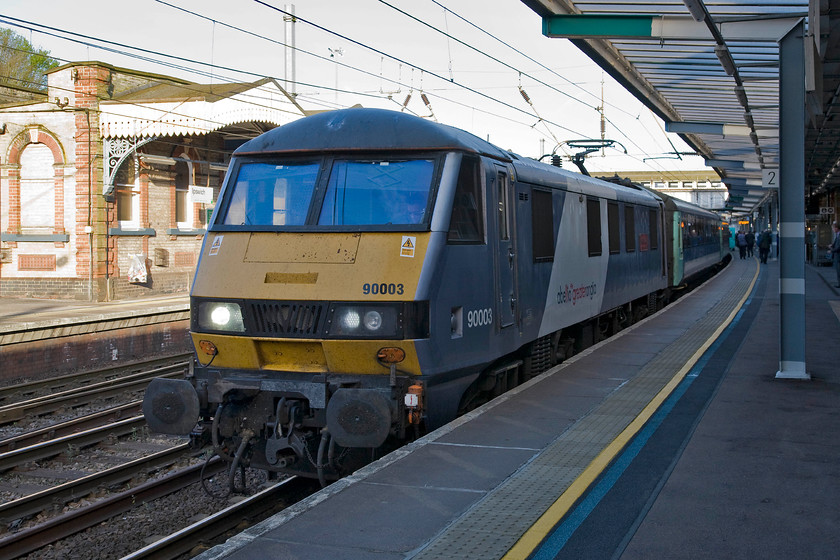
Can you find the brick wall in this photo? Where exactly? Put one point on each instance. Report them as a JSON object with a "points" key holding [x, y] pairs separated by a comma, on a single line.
{"points": [[59, 356], [52, 288]]}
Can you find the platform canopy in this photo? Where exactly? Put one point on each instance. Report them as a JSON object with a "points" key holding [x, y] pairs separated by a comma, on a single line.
{"points": [[710, 70]]}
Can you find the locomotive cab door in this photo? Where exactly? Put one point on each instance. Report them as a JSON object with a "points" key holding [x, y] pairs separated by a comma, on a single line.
{"points": [[506, 281]]}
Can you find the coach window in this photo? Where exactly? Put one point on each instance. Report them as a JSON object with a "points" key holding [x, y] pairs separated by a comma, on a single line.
{"points": [[654, 229], [593, 226], [542, 225], [629, 228], [466, 224], [613, 228]]}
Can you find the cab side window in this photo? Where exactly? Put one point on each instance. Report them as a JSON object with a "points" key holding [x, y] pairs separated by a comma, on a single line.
{"points": [[466, 224]]}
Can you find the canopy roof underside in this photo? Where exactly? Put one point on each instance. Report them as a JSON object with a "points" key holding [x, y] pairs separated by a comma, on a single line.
{"points": [[712, 74]]}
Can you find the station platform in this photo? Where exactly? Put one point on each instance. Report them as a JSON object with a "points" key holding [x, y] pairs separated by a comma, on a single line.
{"points": [[672, 439], [40, 338]]}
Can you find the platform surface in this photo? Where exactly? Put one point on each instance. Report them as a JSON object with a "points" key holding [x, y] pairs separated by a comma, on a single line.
{"points": [[671, 440]]}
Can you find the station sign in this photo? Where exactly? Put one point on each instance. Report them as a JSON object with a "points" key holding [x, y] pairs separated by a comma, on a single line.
{"points": [[201, 195], [826, 210], [770, 178]]}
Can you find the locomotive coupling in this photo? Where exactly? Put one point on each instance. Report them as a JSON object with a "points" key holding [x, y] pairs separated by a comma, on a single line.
{"points": [[171, 406]]}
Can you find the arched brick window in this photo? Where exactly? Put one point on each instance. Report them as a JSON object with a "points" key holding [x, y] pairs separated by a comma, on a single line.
{"points": [[37, 189], [35, 183]]}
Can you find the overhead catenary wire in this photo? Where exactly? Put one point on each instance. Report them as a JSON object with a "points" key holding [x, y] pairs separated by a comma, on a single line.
{"points": [[31, 26], [530, 58], [427, 71], [218, 68], [495, 59]]}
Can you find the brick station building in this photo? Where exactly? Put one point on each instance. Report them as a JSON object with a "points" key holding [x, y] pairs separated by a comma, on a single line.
{"points": [[115, 171]]}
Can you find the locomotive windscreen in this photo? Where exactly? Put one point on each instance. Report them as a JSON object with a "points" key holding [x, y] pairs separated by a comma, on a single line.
{"points": [[357, 192], [267, 194], [377, 192]]}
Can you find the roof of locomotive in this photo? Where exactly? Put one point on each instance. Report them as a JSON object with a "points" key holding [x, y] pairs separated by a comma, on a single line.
{"points": [[359, 129], [533, 171]]}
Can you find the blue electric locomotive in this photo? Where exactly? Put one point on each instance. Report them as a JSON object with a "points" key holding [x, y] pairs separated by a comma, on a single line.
{"points": [[369, 274]]}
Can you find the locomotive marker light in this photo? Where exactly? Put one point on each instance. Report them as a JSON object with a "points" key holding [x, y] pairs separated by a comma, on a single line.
{"points": [[208, 347], [390, 355]]}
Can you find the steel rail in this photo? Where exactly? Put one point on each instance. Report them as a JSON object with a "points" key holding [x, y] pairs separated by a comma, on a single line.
{"points": [[60, 527], [75, 490], [57, 446], [65, 382], [75, 425], [84, 395], [210, 528]]}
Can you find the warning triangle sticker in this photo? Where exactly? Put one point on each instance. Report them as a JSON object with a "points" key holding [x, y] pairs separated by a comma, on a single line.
{"points": [[408, 244]]}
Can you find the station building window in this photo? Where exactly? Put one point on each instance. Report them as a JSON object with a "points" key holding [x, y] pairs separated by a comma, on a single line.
{"points": [[184, 177], [37, 189], [127, 194]]}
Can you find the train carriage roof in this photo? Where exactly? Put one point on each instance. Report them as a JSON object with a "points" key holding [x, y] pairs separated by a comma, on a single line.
{"points": [[677, 204], [366, 130]]}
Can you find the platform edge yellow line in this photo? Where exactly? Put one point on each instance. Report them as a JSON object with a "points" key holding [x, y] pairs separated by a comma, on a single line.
{"points": [[532, 538]]}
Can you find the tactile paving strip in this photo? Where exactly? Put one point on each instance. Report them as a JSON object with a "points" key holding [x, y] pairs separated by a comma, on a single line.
{"points": [[497, 522]]}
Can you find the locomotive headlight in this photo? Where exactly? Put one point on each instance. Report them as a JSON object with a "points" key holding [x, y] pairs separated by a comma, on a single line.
{"points": [[220, 316], [373, 320], [391, 320], [349, 320], [365, 320]]}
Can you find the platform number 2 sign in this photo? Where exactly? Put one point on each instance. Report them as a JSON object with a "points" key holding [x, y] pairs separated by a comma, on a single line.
{"points": [[770, 177]]}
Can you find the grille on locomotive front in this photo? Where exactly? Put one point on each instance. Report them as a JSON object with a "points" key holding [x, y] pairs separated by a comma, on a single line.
{"points": [[285, 318]]}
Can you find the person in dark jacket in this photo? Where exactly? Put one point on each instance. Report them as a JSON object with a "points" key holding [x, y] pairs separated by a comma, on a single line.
{"points": [[741, 242], [750, 237], [835, 252], [764, 242]]}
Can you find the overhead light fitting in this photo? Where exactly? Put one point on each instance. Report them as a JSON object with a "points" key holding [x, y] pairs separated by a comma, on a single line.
{"points": [[726, 60], [696, 9], [741, 94], [748, 118]]}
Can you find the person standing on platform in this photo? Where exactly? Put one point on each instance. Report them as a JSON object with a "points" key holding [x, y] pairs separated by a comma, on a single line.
{"points": [[750, 237], [741, 242], [835, 252], [765, 240]]}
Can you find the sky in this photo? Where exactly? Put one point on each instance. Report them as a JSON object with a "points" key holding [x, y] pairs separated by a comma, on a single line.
{"points": [[473, 65]]}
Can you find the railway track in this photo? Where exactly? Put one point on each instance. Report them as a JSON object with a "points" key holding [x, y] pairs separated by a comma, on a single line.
{"points": [[55, 511], [75, 425], [62, 526], [202, 534], [29, 389], [57, 446], [79, 396], [57, 496]]}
